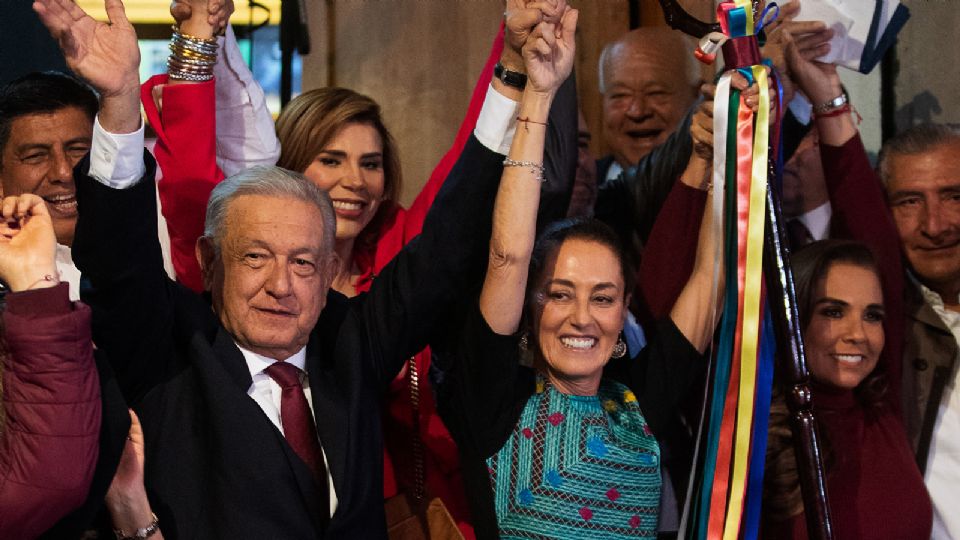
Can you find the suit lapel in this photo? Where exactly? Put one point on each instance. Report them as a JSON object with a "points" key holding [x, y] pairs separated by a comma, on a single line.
{"points": [[230, 357], [330, 411], [233, 363]]}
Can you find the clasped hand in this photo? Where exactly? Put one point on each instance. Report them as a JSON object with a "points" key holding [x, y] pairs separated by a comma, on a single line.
{"points": [[27, 243]]}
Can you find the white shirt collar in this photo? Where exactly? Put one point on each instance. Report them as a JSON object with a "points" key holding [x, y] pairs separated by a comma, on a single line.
{"points": [[929, 295], [256, 363], [614, 171], [817, 221], [68, 271]]}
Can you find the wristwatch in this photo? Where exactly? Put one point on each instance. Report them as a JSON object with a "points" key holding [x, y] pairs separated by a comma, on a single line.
{"points": [[833, 104], [510, 78]]}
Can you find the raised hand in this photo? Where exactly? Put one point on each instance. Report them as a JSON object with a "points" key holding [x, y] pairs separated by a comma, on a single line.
{"points": [[781, 31], [188, 14], [820, 82], [520, 18], [104, 54], [548, 53], [701, 125], [27, 243]]}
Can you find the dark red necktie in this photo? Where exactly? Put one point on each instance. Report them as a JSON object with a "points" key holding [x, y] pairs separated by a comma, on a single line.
{"points": [[299, 427]]}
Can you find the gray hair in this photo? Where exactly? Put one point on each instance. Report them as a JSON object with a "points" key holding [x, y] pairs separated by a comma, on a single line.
{"points": [[650, 36], [916, 140], [271, 182]]}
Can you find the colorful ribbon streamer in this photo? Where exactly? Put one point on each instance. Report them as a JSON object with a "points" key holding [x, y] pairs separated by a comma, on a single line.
{"points": [[730, 455]]}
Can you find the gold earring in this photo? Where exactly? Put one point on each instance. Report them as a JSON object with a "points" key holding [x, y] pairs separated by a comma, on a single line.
{"points": [[620, 349]]}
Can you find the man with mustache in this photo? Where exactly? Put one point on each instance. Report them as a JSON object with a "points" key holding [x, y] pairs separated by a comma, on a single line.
{"points": [[920, 169]]}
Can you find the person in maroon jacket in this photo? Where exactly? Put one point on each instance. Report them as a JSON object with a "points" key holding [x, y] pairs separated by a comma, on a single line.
{"points": [[50, 423]]}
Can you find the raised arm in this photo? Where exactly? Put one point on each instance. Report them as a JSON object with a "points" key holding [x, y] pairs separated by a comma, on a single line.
{"points": [[116, 245], [408, 301], [50, 422], [548, 57], [695, 311], [561, 139], [182, 112], [245, 135], [858, 203]]}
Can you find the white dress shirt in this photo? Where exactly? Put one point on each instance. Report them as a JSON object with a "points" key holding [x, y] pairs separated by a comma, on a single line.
{"points": [[267, 393], [613, 172], [943, 462], [817, 221], [497, 122], [69, 273]]}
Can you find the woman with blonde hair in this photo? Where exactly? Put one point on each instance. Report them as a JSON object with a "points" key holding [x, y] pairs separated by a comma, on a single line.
{"points": [[337, 138]]}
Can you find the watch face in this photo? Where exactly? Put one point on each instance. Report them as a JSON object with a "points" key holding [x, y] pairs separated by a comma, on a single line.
{"points": [[510, 78]]}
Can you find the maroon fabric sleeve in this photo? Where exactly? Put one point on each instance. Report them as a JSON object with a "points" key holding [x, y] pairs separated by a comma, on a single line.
{"points": [[668, 257], [860, 213], [51, 401]]}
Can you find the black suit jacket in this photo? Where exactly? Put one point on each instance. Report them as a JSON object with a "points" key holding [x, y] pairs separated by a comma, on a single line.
{"points": [[216, 467]]}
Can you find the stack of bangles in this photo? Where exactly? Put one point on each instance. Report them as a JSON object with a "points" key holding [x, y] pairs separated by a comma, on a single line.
{"points": [[191, 58]]}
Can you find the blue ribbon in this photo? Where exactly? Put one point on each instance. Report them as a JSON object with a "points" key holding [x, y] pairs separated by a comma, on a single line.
{"points": [[727, 335], [758, 447], [763, 20], [737, 21]]}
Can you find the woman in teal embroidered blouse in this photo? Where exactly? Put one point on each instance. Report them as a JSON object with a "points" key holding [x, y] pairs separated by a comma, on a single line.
{"points": [[566, 448]]}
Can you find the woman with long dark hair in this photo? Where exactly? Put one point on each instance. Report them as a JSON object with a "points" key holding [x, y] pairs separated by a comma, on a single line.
{"points": [[850, 297]]}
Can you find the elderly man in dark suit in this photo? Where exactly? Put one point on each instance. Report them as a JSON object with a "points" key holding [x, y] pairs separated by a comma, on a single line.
{"points": [[224, 458]]}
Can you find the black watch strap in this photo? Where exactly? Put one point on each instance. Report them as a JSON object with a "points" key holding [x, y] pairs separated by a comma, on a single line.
{"points": [[510, 78]]}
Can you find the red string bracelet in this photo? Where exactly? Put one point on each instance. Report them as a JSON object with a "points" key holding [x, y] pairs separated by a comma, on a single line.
{"points": [[844, 109], [529, 121]]}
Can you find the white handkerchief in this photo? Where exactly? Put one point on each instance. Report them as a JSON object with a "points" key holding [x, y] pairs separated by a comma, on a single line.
{"points": [[832, 13], [863, 29]]}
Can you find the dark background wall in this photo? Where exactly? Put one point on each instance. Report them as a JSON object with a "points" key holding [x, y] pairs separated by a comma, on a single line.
{"points": [[25, 45]]}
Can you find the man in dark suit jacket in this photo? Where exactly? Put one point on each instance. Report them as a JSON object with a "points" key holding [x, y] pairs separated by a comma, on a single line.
{"points": [[216, 465]]}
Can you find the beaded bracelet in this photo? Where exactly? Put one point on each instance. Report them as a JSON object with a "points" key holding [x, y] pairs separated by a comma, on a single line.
{"points": [[536, 168], [141, 533], [47, 278]]}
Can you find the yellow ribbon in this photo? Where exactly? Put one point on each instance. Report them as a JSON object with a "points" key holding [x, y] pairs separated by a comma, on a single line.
{"points": [[751, 306]]}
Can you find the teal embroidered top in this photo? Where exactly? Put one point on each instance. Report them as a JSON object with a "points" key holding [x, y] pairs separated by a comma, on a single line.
{"points": [[578, 467]]}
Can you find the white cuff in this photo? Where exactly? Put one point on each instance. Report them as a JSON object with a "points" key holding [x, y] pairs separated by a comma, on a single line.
{"points": [[801, 108], [116, 160], [497, 122]]}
